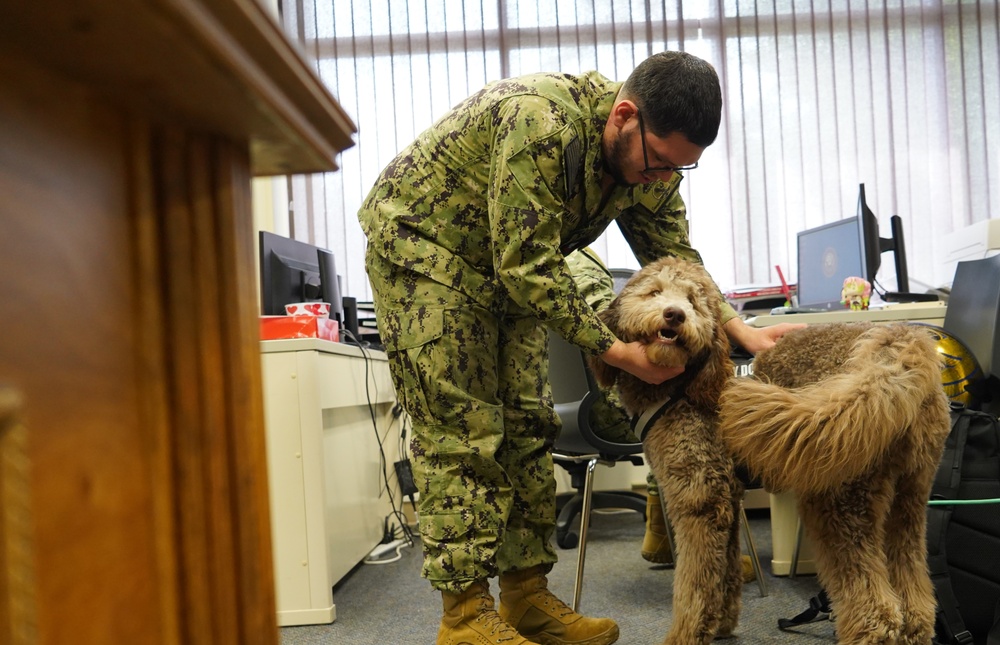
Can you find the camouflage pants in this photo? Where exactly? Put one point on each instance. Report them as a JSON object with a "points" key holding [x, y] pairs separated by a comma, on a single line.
{"points": [[474, 381]]}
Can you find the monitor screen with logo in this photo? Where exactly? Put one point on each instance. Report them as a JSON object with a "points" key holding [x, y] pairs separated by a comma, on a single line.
{"points": [[826, 255]]}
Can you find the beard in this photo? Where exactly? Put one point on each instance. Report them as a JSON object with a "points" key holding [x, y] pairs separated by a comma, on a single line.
{"points": [[614, 156]]}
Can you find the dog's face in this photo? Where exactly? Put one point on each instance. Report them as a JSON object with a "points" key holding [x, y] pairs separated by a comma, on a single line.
{"points": [[674, 308]]}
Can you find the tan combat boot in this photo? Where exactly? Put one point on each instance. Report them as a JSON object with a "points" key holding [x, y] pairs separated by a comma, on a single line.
{"points": [[656, 542], [471, 619], [528, 605], [749, 575]]}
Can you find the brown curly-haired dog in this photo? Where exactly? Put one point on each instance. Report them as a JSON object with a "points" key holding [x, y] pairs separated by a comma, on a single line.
{"points": [[675, 307], [853, 419]]}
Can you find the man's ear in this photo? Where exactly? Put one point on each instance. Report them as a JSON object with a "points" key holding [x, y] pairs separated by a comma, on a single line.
{"points": [[621, 113]]}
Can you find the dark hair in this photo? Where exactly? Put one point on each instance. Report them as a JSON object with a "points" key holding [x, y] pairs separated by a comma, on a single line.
{"points": [[677, 92]]}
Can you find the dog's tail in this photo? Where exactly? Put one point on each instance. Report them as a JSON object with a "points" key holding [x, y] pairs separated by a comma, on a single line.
{"points": [[822, 435]]}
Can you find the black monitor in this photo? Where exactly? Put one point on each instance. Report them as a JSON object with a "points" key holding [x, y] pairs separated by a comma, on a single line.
{"points": [[973, 313], [874, 246], [293, 271], [827, 255]]}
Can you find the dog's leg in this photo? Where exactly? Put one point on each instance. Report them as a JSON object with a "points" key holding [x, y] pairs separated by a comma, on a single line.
{"points": [[848, 528], [699, 509], [906, 550], [732, 596], [906, 553]]}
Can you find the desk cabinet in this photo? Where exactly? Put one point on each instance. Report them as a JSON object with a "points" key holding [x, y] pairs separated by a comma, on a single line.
{"points": [[322, 401]]}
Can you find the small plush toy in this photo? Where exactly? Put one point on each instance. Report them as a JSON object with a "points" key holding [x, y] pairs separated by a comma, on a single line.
{"points": [[856, 293]]}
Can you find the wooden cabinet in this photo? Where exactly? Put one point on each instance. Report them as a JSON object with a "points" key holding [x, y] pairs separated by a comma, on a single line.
{"points": [[129, 132]]}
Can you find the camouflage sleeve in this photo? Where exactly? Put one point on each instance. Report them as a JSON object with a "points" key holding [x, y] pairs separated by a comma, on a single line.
{"points": [[526, 206], [592, 278], [658, 226]]}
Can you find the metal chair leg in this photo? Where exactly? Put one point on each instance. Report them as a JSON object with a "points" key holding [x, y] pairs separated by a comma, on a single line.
{"points": [[588, 494], [670, 537], [794, 565], [752, 548]]}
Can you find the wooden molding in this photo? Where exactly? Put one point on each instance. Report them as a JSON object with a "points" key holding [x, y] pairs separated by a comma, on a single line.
{"points": [[221, 66], [17, 582]]}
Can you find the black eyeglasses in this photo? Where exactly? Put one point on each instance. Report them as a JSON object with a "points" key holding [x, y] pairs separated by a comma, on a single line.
{"points": [[645, 156]]}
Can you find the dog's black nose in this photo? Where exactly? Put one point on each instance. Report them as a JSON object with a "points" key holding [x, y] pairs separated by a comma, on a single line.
{"points": [[674, 316]]}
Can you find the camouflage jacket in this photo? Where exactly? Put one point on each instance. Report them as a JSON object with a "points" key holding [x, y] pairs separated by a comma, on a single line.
{"points": [[490, 199]]}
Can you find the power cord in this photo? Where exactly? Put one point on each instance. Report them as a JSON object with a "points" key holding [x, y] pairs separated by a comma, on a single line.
{"points": [[396, 508], [404, 470], [394, 538]]}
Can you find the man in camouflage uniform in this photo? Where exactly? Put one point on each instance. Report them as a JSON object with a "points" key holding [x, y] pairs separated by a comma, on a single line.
{"points": [[467, 232]]}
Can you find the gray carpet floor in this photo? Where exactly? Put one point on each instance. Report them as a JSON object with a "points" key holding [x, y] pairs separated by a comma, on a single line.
{"points": [[390, 604]]}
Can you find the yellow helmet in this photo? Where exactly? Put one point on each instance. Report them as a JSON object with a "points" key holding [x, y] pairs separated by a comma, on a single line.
{"points": [[959, 367]]}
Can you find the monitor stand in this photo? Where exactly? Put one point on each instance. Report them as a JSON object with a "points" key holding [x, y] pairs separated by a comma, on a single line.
{"points": [[901, 296]]}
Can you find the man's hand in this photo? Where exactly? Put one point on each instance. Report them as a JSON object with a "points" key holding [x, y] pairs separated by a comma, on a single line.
{"points": [[757, 339], [632, 358]]}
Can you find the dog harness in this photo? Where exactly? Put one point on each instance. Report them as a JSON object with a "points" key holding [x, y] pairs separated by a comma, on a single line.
{"points": [[641, 423]]}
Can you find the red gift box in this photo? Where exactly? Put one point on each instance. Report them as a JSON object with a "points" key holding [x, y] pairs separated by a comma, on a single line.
{"points": [[280, 327]]}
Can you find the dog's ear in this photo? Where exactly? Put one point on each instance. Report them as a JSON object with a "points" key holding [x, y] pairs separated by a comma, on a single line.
{"points": [[706, 387]]}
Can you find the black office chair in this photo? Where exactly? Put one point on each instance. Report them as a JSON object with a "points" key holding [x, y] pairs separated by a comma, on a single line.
{"points": [[571, 387], [621, 276], [579, 449]]}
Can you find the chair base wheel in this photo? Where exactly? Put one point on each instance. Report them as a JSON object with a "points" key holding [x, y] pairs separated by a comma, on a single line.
{"points": [[567, 540]]}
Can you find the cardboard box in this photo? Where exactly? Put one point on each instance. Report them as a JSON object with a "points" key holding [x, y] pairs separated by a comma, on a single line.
{"points": [[280, 327]]}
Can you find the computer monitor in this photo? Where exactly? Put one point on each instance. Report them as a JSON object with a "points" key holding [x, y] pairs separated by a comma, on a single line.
{"points": [[293, 271], [826, 256], [973, 313], [874, 246]]}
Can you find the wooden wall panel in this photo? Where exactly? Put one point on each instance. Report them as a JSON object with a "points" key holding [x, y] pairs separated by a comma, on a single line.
{"points": [[127, 251], [67, 342], [130, 130]]}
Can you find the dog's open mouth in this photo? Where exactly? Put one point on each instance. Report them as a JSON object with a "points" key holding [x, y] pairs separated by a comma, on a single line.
{"points": [[668, 336]]}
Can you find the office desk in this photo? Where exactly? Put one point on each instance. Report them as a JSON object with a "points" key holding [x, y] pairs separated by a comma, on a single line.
{"points": [[324, 468], [926, 312], [784, 516]]}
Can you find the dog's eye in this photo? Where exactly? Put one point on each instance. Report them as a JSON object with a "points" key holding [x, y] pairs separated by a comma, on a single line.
{"points": [[654, 293]]}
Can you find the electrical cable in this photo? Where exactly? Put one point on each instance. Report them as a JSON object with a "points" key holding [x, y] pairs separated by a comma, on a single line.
{"points": [[398, 548], [879, 289], [962, 502], [383, 462]]}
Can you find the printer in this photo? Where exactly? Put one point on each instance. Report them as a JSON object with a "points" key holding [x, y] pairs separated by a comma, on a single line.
{"points": [[975, 242]]}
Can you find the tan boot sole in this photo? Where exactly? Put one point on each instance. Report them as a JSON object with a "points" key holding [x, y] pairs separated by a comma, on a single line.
{"points": [[660, 553], [603, 639]]}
